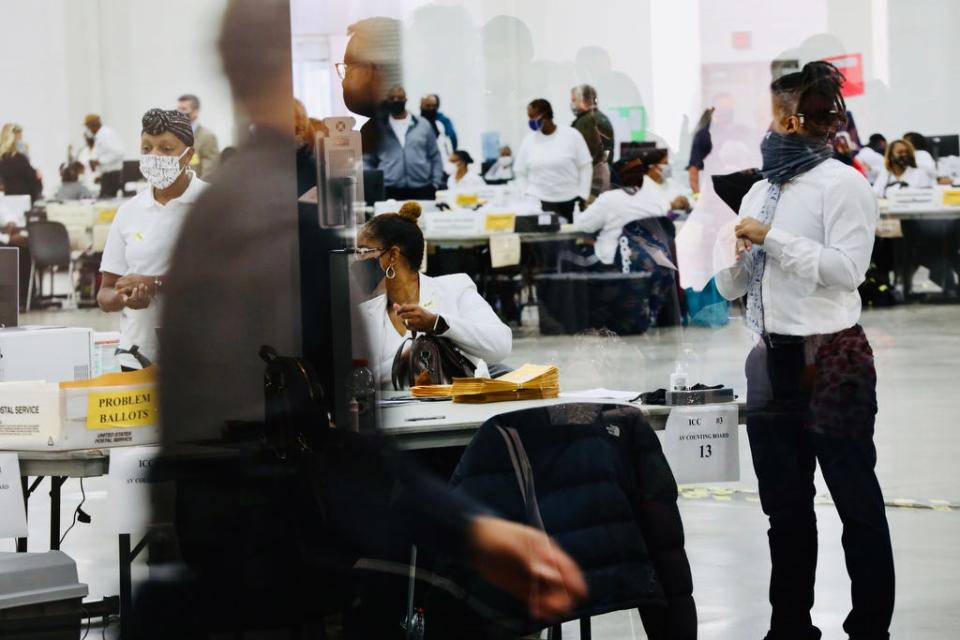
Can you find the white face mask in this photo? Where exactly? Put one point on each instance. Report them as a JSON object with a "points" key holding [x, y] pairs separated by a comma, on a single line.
{"points": [[161, 171]]}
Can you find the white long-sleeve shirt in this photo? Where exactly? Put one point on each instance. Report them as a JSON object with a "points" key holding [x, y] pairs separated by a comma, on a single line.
{"points": [[913, 177], [612, 210], [818, 250], [926, 163], [474, 326], [108, 150], [873, 161], [556, 167]]}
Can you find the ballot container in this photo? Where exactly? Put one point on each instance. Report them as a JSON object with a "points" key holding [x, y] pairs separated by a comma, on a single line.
{"points": [[571, 303], [40, 596]]}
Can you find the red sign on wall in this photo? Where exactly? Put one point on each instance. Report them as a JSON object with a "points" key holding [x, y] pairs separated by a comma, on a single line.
{"points": [[851, 66]]}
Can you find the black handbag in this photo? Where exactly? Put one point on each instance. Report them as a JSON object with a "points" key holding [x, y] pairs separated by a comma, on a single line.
{"points": [[296, 419], [424, 359]]}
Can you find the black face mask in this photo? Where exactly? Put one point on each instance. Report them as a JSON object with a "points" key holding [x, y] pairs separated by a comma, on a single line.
{"points": [[903, 161], [396, 107], [429, 114], [366, 274]]}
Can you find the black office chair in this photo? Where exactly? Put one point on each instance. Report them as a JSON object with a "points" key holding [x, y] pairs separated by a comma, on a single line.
{"points": [[37, 214], [49, 245]]}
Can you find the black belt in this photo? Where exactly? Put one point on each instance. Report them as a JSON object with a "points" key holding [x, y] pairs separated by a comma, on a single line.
{"points": [[774, 340]]}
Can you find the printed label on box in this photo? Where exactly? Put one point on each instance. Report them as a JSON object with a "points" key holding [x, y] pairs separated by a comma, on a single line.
{"points": [[501, 222], [113, 409]]}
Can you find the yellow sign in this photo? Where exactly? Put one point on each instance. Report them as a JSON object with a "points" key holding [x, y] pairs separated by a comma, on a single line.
{"points": [[501, 222], [130, 408], [465, 200], [951, 198], [106, 216]]}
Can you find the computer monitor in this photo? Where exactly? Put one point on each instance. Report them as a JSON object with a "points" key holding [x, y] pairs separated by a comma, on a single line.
{"points": [[943, 146], [630, 150], [9, 286]]}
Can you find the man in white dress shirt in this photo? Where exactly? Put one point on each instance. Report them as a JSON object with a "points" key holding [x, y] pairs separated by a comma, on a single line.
{"points": [[107, 156], [803, 246]]}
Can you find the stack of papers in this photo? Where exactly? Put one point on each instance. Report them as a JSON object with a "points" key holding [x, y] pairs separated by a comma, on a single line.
{"points": [[529, 382], [432, 391]]}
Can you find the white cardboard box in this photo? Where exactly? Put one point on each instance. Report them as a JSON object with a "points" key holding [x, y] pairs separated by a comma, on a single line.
{"points": [[30, 416], [51, 354], [42, 416]]}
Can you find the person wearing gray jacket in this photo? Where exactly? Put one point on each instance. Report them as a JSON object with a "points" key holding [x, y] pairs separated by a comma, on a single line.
{"points": [[406, 151]]}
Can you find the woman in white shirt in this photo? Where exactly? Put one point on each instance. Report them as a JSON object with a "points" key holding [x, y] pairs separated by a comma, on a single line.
{"points": [[900, 170], [804, 241], [390, 248], [144, 232], [615, 208], [554, 162], [924, 159], [462, 179]]}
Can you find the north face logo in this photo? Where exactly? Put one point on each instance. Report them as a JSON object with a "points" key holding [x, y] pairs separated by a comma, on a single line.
{"points": [[613, 430]]}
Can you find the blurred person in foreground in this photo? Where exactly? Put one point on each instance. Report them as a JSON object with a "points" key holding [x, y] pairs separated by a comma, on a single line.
{"points": [[270, 544]]}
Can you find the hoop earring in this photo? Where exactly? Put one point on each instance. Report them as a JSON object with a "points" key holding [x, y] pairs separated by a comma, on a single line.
{"points": [[390, 272]]}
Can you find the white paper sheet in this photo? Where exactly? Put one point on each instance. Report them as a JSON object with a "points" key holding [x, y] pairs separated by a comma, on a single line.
{"points": [[600, 394], [504, 250]]}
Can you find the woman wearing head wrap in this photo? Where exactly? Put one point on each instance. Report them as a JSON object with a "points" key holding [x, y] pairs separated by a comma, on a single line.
{"points": [[144, 232]]}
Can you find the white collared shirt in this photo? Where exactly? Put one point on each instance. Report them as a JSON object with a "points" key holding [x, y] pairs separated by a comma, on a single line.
{"points": [[912, 177], [612, 210], [469, 181], [818, 250], [108, 150], [473, 326], [141, 240]]}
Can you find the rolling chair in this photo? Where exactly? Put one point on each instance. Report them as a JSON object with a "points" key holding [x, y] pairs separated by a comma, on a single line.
{"points": [[49, 245]]}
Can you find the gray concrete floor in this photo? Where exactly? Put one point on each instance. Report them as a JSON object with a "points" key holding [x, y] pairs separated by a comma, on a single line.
{"points": [[918, 352]]}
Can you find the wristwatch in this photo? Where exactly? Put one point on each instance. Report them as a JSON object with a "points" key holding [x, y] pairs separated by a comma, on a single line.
{"points": [[440, 326]]}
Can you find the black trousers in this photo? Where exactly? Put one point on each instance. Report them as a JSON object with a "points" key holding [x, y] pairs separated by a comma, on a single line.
{"points": [[411, 193], [111, 182], [562, 209], [785, 454]]}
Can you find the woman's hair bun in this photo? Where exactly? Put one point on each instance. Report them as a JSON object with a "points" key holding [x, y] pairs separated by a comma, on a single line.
{"points": [[410, 211]]}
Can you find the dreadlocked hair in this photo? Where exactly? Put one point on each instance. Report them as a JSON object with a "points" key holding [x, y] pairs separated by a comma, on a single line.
{"points": [[815, 93]]}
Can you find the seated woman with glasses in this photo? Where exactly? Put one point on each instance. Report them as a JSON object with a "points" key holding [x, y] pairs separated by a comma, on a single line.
{"points": [[390, 249]]}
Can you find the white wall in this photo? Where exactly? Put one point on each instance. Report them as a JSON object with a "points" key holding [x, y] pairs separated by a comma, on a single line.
{"points": [[62, 59], [652, 51]]}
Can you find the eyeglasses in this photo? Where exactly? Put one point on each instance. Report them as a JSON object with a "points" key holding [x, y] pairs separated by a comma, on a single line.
{"points": [[363, 253], [344, 68]]}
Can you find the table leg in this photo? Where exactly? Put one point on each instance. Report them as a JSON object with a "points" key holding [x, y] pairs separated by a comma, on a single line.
{"points": [[55, 483], [901, 259], [126, 586], [22, 542]]}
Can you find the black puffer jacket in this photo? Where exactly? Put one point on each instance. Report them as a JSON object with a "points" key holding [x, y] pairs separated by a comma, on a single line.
{"points": [[606, 494]]}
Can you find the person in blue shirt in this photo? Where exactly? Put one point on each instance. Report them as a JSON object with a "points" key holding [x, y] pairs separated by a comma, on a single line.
{"points": [[430, 109], [406, 151]]}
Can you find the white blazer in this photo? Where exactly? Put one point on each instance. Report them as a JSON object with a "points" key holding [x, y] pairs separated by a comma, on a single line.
{"points": [[474, 327]]}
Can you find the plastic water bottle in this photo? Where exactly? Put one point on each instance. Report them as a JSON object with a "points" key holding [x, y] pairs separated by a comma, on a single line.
{"points": [[362, 390], [680, 378]]}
